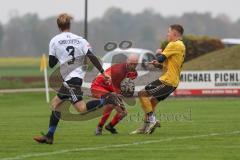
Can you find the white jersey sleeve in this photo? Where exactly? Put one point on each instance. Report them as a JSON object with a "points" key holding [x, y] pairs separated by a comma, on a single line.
{"points": [[52, 49], [85, 46]]}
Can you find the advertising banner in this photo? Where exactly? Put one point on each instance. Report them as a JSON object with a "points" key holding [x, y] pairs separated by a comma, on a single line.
{"points": [[204, 83]]}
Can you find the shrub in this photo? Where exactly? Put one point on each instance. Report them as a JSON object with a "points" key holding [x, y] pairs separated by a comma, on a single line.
{"points": [[198, 45]]}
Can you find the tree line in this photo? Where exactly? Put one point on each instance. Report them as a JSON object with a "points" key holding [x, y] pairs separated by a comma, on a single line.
{"points": [[28, 35]]}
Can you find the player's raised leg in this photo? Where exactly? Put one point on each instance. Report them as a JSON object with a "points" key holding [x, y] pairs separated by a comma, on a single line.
{"points": [[53, 122]]}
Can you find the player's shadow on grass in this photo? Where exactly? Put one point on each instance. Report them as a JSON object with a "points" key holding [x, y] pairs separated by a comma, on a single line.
{"points": [[67, 115]]}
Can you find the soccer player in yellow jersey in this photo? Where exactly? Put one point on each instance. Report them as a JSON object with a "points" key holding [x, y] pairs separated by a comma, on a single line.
{"points": [[171, 60]]}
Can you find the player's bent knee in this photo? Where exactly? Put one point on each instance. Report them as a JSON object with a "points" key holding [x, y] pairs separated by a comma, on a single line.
{"points": [[56, 102], [80, 106], [123, 115], [142, 93], [112, 99]]}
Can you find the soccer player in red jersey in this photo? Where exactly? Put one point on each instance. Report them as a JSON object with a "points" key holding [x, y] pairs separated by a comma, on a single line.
{"points": [[99, 87]]}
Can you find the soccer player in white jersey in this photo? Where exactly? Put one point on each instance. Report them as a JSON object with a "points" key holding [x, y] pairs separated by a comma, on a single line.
{"points": [[69, 51]]}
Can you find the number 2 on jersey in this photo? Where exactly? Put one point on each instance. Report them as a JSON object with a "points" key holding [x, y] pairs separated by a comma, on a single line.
{"points": [[71, 50]]}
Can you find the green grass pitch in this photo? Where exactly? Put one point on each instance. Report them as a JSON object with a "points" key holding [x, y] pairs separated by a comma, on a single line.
{"points": [[199, 129]]}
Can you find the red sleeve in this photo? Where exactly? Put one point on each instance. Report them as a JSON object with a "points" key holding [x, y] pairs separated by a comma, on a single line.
{"points": [[118, 74], [116, 90], [132, 75]]}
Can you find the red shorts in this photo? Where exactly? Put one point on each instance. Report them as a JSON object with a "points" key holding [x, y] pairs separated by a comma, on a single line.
{"points": [[98, 91]]}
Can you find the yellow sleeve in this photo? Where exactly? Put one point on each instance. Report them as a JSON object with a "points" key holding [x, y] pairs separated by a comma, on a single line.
{"points": [[170, 50]]}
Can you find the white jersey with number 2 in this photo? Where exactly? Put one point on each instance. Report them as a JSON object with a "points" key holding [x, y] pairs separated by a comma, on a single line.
{"points": [[70, 50]]}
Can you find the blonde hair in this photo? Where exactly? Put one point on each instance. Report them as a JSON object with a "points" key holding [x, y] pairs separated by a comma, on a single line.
{"points": [[64, 21]]}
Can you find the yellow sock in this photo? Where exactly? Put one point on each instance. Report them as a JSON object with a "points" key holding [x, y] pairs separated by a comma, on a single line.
{"points": [[146, 103], [154, 102]]}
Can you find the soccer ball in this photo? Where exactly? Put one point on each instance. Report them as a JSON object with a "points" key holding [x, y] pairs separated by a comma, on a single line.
{"points": [[127, 87]]}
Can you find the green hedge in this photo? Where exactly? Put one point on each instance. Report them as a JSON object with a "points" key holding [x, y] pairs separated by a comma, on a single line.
{"points": [[198, 45]]}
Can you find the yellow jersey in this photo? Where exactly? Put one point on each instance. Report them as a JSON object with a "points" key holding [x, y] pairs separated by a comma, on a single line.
{"points": [[172, 66]]}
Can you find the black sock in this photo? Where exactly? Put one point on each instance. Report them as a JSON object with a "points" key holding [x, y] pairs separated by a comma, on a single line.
{"points": [[54, 119], [110, 125], [94, 104]]}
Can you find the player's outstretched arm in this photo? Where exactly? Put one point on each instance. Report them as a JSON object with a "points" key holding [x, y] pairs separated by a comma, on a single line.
{"points": [[52, 61], [97, 64], [95, 61]]}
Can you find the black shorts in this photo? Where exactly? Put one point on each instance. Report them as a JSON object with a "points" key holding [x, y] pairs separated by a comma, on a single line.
{"points": [[159, 90], [71, 90]]}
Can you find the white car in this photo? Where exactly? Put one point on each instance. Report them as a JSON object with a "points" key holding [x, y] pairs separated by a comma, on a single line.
{"points": [[120, 56]]}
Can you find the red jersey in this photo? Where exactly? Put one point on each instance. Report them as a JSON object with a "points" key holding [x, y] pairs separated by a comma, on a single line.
{"points": [[117, 73]]}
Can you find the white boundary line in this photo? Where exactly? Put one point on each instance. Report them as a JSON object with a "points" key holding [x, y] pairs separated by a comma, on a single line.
{"points": [[23, 90], [117, 145]]}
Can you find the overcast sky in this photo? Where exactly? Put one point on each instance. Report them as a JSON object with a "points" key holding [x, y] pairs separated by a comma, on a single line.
{"points": [[46, 8]]}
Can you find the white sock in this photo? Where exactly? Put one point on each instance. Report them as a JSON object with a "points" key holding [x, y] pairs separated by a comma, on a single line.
{"points": [[152, 118]]}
